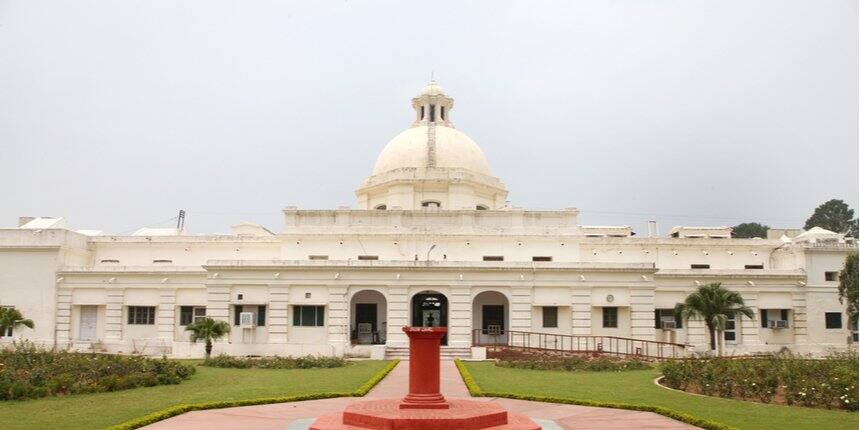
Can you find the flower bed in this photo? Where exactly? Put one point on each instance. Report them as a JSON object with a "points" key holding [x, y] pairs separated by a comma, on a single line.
{"points": [[307, 362], [577, 363], [30, 372], [829, 383]]}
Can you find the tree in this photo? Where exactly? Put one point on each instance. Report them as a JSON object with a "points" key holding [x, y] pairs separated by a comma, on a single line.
{"points": [[750, 229], [207, 329], [834, 215], [11, 318], [714, 304], [848, 285]]}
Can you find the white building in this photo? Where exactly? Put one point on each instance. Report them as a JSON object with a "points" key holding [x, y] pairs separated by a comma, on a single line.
{"points": [[432, 241]]}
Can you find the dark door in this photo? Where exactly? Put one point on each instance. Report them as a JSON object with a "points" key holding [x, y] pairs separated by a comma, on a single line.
{"points": [[365, 313], [493, 316], [430, 310]]}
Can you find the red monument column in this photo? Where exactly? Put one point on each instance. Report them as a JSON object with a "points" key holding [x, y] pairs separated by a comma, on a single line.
{"points": [[424, 390]]}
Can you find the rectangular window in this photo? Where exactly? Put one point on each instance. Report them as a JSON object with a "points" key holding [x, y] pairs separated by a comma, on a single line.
{"points": [[317, 257], [783, 314], [700, 266], [190, 314], [610, 317], [261, 315], [666, 315], [162, 261], [730, 334], [833, 320], [831, 276], [754, 266], [493, 319], [541, 258], [308, 316], [550, 316], [141, 315], [494, 258], [368, 257]]}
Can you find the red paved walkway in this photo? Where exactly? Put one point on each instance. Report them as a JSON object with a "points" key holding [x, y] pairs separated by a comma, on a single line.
{"points": [[278, 416]]}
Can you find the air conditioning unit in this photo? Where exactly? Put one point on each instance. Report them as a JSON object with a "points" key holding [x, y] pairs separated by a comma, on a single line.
{"points": [[668, 325], [246, 319], [777, 324]]}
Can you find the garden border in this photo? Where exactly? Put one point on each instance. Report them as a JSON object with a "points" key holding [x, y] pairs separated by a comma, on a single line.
{"points": [[180, 409], [476, 391]]}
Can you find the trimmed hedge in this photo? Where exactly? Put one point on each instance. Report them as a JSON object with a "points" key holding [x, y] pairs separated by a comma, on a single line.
{"points": [[306, 362], [28, 372], [183, 408], [476, 391], [578, 363]]}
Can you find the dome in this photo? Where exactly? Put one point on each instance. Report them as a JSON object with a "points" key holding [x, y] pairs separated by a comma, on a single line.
{"points": [[453, 149], [432, 89]]}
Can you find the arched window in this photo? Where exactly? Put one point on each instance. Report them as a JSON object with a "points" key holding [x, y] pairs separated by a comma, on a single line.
{"points": [[431, 204], [381, 207], [481, 208]]}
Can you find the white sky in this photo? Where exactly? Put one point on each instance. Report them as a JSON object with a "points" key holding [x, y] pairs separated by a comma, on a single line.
{"points": [[116, 114]]}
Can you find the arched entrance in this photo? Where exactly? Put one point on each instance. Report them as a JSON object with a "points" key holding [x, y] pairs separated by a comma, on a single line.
{"points": [[490, 315], [368, 313], [430, 309]]}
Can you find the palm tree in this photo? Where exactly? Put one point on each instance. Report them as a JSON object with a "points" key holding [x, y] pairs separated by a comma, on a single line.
{"points": [[715, 305], [12, 318], [207, 329]]}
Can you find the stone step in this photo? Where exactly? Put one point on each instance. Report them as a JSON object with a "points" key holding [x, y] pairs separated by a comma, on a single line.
{"points": [[446, 353]]}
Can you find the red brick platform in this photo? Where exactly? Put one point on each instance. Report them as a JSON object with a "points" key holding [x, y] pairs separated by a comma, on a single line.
{"points": [[461, 415]]}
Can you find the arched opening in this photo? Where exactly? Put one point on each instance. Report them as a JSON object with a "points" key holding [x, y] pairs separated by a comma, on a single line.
{"points": [[430, 309], [490, 315], [368, 313], [381, 207], [481, 208], [431, 204]]}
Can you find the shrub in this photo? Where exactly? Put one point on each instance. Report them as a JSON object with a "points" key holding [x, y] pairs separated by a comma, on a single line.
{"points": [[580, 363], [306, 362], [829, 383], [30, 372]]}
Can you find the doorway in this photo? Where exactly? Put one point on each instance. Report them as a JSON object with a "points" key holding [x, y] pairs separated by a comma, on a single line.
{"points": [[88, 323], [430, 309]]}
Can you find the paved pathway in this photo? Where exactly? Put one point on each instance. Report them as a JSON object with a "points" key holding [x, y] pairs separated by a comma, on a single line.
{"points": [[277, 416]]}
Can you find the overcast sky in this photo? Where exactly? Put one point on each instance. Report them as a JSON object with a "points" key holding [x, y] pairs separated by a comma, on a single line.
{"points": [[116, 114]]}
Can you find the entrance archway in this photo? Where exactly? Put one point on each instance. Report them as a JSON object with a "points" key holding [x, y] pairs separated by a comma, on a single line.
{"points": [[430, 309], [368, 316], [490, 316]]}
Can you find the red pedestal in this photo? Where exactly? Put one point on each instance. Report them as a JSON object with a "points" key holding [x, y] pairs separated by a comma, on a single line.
{"points": [[424, 408], [424, 343]]}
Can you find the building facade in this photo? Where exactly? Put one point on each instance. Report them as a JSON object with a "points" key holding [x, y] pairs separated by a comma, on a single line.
{"points": [[432, 241]]}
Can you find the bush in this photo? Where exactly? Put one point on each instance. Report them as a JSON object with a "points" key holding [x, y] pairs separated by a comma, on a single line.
{"points": [[307, 362], [30, 372], [580, 363], [829, 383]]}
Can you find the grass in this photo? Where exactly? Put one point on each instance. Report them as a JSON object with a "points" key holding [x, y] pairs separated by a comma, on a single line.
{"points": [[94, 411], [637, 387]]}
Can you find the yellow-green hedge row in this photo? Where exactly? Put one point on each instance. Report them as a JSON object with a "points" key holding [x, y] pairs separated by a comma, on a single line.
{"points": [[476, 391], [183, 408]]}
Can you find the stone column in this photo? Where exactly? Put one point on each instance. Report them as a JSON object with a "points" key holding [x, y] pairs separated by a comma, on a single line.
{"points": [[460, 317], [279, 302], [113, 314], [64, 316], [338, 318], [580, 310], [521, 309], [166, 315], [398, 316]]}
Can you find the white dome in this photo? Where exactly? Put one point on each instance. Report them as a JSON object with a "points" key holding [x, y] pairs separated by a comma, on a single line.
{"points": [[431, 89], [410, 149]]}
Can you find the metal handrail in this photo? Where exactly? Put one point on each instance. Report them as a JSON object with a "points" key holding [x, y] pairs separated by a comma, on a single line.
{"points": [[576, 344]]}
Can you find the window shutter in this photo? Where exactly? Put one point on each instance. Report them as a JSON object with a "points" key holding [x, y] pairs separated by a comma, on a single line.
{"points": [[763, 318], [237, 319], [297, 315], [320, 316], [657, 318], [261, 315], [783, 314]]}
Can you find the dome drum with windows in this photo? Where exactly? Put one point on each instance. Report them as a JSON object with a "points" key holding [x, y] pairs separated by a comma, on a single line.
{"points": [[432, 165]]}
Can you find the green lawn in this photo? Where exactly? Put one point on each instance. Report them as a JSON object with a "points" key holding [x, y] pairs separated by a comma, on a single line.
{"points": [[94, 411], [636, 387]]}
